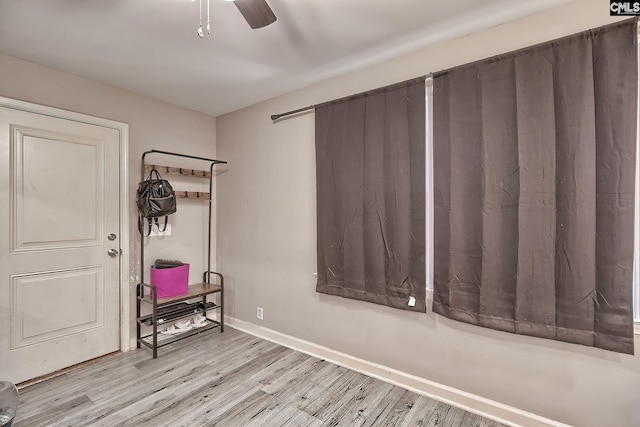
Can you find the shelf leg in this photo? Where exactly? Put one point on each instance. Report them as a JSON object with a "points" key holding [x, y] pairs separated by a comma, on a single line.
{"points": [[155, 324], [221, 303], [138, 326]]}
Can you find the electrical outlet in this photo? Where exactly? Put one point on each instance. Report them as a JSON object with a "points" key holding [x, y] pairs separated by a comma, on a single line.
{"points": [[259, 313], [156, 232]]}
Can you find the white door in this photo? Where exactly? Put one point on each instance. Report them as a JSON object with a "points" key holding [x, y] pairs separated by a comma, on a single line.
{"points": [[59, 202]]}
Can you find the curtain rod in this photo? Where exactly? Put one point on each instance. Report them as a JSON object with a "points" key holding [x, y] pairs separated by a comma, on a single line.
{"points": [[633, 20], [275, 117], [288, 113]]}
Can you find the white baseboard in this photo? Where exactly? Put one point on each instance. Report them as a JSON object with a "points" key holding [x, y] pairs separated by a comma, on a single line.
{"points": [[469, 402]]}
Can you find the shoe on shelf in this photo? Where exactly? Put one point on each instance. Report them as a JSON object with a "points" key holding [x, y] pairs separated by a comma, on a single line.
{"points": [[184, 324], [171, 330], [199, 321], [178, 327]]}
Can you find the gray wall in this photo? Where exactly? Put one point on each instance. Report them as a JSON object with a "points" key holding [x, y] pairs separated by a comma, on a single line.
{"points": [[152, 124], [267, 249]]}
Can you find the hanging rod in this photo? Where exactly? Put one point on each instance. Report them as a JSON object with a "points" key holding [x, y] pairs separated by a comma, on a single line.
{"points": [[275, 117], [182, 155]]}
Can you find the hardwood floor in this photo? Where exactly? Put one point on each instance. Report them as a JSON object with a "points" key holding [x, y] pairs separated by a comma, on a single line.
{"points": [[230, 379]]}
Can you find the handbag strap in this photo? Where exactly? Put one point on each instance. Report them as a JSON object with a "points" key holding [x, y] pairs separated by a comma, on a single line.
{"points": [[158, 224], [141, 226], [152, 172], [150, 224]]}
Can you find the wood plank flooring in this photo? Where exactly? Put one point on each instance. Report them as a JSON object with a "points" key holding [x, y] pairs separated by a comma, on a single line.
{"points": [[230, 379]]}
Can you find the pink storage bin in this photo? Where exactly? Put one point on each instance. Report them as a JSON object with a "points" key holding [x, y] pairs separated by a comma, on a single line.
{"points": [[170, 282]]}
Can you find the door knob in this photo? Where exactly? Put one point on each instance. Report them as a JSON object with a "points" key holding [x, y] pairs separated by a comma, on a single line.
{"points": [[113, 253]]}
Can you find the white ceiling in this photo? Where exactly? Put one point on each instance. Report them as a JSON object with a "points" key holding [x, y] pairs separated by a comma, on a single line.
{"points": [[151, 47]]}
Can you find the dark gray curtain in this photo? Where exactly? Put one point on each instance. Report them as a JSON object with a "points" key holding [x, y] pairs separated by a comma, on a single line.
{"points": [[370, 159], [534, 164]]}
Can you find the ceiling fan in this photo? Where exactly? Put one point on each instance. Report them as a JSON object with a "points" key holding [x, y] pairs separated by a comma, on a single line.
{"points": [[257, 13]]}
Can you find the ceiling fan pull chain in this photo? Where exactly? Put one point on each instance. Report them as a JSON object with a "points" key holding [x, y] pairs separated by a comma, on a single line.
{"points": [[200, 32], [208, 20]]}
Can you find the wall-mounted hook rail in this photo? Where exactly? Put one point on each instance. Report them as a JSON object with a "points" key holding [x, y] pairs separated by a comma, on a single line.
{"points": [[192, 194], [168, 170]]}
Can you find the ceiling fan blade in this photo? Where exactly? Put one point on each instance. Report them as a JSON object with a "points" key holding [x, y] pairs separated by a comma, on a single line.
{"points": [[257, 12]]}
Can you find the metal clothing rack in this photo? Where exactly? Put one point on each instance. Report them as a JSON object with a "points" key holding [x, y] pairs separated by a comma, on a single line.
{"points": [[173, 308]]}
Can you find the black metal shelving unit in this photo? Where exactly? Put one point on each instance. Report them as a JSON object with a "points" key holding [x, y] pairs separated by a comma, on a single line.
{"points": [[166, 310]]}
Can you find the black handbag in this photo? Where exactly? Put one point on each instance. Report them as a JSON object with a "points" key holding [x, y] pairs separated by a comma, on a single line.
{"points": [[155, 198]]}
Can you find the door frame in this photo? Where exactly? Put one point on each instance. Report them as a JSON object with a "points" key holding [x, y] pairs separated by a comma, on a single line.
{"points": [[123, 130]]}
